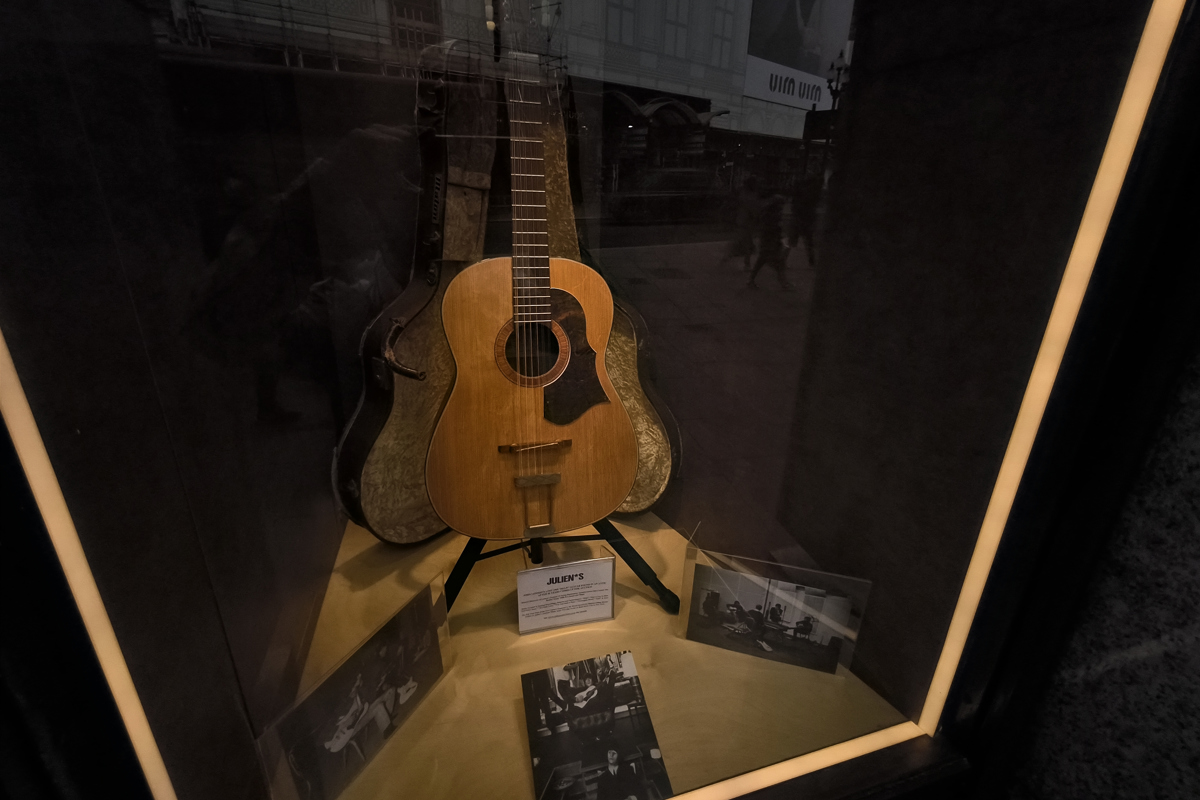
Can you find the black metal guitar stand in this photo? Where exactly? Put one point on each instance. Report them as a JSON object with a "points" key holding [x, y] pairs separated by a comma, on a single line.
{"points": [[608, 532]]}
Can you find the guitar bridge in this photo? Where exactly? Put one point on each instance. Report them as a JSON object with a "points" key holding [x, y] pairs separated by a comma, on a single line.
{"points": [[546, 479], [534, 447]]}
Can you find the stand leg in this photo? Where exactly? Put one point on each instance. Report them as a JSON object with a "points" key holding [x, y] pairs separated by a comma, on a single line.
{"points": [[474, 550], [668, 599], [462, 569]]}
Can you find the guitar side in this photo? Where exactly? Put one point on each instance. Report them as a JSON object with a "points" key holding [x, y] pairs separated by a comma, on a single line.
{"points": [[473, 486]]}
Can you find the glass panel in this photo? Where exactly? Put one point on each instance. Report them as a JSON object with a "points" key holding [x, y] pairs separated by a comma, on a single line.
{"points": [[801, 282]]}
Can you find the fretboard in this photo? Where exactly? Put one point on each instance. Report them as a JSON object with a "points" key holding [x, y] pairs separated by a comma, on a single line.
{"points": [[531, 251]]}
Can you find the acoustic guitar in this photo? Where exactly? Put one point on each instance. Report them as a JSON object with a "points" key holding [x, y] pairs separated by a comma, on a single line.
{"points": [[533, 439]]}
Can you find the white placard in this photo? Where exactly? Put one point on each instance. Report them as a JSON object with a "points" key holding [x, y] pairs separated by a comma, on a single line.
{"points": [[786, 86], [565, 594]]}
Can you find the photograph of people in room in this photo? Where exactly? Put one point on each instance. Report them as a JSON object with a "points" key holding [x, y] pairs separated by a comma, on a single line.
{"points": [[330, 735], [590, 735], [810, 620]]}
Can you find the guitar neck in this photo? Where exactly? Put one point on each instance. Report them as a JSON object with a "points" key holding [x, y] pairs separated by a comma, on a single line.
{"points": [[531, 250]]}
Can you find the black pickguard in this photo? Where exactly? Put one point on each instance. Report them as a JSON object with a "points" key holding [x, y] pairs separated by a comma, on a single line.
{"points": [[578, 388]]}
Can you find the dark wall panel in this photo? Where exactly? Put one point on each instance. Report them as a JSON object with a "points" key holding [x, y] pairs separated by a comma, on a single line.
{"points": [[972, 136], [69, 319]]}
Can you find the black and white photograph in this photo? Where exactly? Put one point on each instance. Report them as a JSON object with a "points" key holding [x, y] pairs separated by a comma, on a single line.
{"points": [[336, 730], [590, 734], [810, 619]]}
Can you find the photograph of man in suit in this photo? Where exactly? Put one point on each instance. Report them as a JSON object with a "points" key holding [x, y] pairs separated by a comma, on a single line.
{"points": [[618, 781]]}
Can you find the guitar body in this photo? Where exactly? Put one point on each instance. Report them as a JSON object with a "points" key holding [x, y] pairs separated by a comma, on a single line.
{"points": [[518, 454]]}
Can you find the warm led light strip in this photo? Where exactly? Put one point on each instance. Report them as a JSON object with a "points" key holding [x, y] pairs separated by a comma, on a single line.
{"points": [[803, 765], [1127, 125], [18, 418]]}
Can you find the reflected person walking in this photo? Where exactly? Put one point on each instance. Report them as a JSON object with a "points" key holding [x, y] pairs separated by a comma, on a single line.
{"points": [[771, 249]]}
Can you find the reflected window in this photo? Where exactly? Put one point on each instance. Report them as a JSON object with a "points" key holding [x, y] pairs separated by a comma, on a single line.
{"points": [[415, 23], [620, 21], [722, 44], [675, 33]]}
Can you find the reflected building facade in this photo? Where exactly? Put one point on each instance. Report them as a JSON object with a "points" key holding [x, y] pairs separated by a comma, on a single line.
{"points": [[672, 73]]}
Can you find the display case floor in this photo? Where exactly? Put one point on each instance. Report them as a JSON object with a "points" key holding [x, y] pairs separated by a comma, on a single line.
{"points": [[717, 713]]}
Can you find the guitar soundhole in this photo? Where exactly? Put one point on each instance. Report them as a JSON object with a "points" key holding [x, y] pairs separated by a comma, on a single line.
{"points": [[532, 349], [532, 353]]}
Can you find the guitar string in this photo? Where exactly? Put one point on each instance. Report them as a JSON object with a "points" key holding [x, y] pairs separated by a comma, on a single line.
{"points": [[518, 321], [524, 326], [533, 130], [543, 256], [515, 406], [543, 251], [530, 136], [531, 266], [521, 329], [528, 327]]}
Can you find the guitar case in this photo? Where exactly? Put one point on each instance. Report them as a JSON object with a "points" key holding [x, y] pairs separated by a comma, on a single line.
{"points": [[379, 464]]}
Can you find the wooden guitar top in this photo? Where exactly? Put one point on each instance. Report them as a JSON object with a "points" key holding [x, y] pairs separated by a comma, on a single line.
{"points": [[516, 456]]}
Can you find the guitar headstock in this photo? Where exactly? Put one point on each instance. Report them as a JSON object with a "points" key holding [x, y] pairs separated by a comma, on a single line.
{"points": [[526, 26]]}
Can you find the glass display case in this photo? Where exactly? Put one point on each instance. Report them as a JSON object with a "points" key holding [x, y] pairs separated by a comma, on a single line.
{"points": [[329, 326]]}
